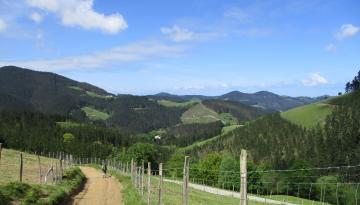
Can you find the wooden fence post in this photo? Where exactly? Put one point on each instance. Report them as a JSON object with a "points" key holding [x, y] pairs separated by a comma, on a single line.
{"points": [[160, 182], [56, 172], [186, 181], [243, 175], [21, 167], [132, 171], [0, 151], [142, 178], [61, 171], [149, 183], [40, 174]]}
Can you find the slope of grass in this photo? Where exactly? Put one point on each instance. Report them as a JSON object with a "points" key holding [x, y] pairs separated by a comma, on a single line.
{"points": [[22, 193], [225, 130], [201, 114], [68, 124], [9, 166], [95, 114], [295, 200], [95, 95], [309, 115], [129, 193], [186, 104], [172, 194]]}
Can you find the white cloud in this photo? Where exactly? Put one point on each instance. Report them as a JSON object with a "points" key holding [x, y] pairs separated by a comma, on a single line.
{"points": [[238, 14], [346, 31], [331, 48], [81, 13], [314, 79], [36, 17], [121, 54], [3, 25], [177, 33]]}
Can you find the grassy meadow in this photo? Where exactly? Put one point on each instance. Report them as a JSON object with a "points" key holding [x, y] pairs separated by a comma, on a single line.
{"points": [[201, 114], [95, 114], [309, 115], [10, 166]]}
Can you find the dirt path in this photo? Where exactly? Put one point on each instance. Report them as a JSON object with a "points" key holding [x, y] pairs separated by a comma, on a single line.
{"points": [[98, 190]]}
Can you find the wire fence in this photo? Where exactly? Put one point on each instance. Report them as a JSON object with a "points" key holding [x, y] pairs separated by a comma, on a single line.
{"points": [[315, 186], [33, 168]]}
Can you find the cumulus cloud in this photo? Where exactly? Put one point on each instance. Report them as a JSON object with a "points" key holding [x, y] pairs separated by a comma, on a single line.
{"points": [[331, 48], [177, 33], [81, 13], [180, 34], [347, 31], [121, 54], [36, 17], [314, 79], [2, 25]]}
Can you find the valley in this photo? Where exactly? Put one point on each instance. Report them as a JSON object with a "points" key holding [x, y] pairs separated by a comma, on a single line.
{"points": [[52, 114]]}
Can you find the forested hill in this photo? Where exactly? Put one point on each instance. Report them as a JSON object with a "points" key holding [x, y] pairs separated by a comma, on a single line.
{"points": [[267, 101], [279, 143], [43, 91], [23, 89]]}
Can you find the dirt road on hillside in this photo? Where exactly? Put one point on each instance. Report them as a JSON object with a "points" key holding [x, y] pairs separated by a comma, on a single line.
{"points": [[98, 190]]}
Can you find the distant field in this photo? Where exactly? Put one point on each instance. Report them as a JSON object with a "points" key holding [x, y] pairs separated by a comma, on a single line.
{"points": [[309, 115], [9, 167], [201, 114], [94, 114], [89, 93], [169, 103], [225, 130], [68, 124]]}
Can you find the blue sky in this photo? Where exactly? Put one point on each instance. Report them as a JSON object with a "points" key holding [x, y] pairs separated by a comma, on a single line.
{"points": [[295, 48]]}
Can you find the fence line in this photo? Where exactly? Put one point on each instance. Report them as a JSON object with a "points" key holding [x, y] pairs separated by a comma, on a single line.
{"points": [[29, 166]]}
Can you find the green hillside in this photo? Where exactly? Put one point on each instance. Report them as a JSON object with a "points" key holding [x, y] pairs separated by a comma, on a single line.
{"points": [[95, 114], [169, 103], [309, 115], [201, 114]]}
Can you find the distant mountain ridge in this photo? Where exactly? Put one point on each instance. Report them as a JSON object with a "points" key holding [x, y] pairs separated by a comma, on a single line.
{"points": [[24, 89], [265, 100]]}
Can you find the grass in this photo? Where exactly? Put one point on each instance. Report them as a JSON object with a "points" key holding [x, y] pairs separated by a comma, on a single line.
{"points": [[95, 95], [22, 193], [9, 167], [295, 200], [129, 193], [95, 114], [186, 104], [225, 130], [68, 124], [201, 114], [90, 93], [76, 88], [309, 115], [172, 194]]}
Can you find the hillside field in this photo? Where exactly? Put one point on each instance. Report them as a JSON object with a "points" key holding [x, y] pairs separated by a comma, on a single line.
{"points": [[169, 103], [309, 115], [201, 114], [10, 166], [95, 114]]}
